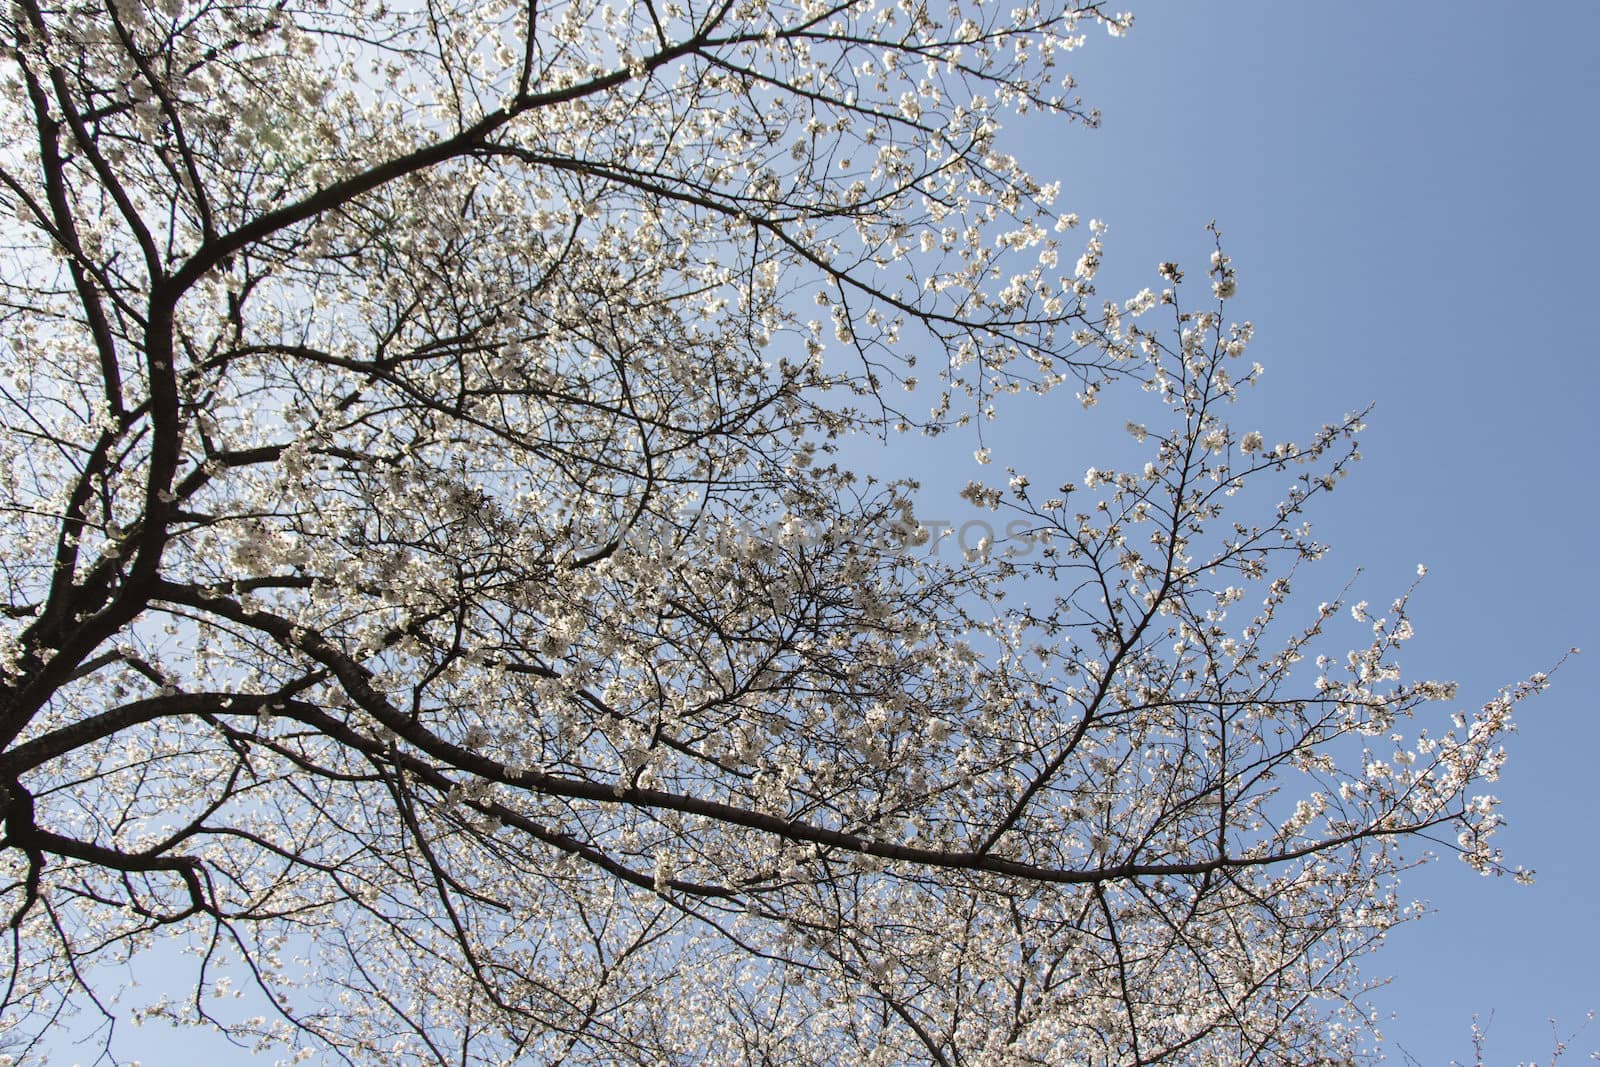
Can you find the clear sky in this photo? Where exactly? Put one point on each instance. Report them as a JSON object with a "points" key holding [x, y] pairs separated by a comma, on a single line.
{"points": [[1409, 193]]}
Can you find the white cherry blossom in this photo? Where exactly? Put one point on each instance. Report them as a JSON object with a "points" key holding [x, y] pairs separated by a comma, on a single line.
{"points": [[435, 596]]}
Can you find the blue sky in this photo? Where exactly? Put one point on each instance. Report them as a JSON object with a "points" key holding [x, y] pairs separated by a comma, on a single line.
{"points": [[1408, 193]]}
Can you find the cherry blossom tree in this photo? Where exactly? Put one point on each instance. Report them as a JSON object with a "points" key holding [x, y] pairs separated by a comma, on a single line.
{"points": [[435, 597]]}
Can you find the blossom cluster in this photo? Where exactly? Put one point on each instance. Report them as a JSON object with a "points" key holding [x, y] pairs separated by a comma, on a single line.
{"points": [[435, 591]]}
